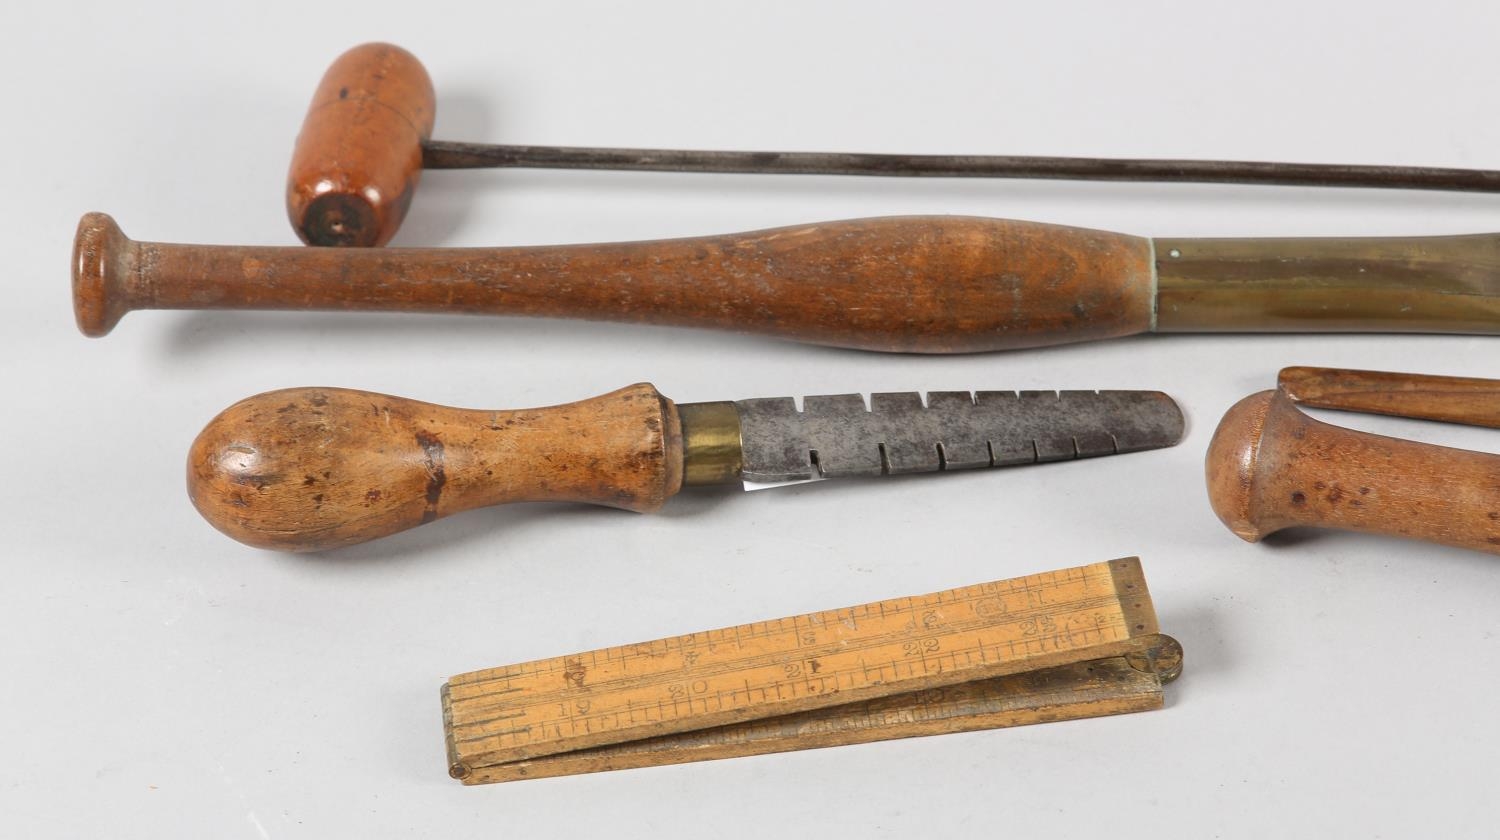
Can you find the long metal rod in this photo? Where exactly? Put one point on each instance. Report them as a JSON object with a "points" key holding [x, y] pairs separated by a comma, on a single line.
{"points": [[445, 155]]}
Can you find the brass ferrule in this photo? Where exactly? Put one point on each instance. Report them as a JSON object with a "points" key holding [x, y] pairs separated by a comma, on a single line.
{"points": [[1432, 284], [711, 449]]}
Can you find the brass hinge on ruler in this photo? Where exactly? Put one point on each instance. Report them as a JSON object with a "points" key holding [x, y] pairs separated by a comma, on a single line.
{"points": [[1074, 643]]}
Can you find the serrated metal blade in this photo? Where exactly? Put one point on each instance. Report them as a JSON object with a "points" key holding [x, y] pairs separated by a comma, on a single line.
{"points": [[842, 435]]}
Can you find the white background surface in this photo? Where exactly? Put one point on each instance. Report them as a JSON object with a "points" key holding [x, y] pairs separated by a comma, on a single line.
{"points": [[157, 679]]}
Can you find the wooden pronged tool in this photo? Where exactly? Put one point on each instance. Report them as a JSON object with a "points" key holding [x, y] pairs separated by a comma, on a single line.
{"points": [[1271, 467], [941, 284], [1074, 643], [306, 469], [366, 141]]}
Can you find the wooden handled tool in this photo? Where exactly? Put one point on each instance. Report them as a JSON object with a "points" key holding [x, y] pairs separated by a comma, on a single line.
{"points": [[1271, 467], [366, 140], [1068, 644], [942, 284], [314, 468]]}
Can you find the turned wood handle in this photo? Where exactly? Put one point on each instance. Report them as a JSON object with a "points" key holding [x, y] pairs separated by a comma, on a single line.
{"points": [[926, 284], [1271, 467], [307, 469], [359, 155]]}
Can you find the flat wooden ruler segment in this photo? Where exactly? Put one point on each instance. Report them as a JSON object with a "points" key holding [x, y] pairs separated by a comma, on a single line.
{"points": [[1085, 689], [792, 665]]}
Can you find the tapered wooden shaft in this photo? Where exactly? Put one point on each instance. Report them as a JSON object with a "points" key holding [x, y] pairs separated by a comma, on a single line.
{"points": [[1271, 467], [939, 284], [1446, 399], [918, 284], [306, 469]]}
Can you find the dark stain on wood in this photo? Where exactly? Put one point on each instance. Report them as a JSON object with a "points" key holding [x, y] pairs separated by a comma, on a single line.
{"points": [[436, 475]]}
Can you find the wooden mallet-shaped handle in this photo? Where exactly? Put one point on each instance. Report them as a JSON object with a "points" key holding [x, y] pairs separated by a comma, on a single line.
{"points": [[307, 469], [367, 138], [359, 155], [1270, 466]]}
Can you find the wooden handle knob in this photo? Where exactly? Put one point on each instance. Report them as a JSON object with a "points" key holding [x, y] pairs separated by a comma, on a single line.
{"points": [[1271, 467], [104, 274], [359, 155], [306, 469]]}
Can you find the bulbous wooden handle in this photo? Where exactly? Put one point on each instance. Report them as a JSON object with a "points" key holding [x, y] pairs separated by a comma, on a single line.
{"points": [[307, 469], [359, 155], [921, 284], [1271, 467]]}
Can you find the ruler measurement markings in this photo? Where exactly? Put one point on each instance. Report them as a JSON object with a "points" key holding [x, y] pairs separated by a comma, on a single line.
{"points": [[1067, 692], [462, 686], [850, 618], [857, 675], [472, 716], [516, 738], [977, 642]]}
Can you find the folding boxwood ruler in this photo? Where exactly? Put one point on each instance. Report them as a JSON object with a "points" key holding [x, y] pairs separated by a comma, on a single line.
{"points": [[1074, 643]]}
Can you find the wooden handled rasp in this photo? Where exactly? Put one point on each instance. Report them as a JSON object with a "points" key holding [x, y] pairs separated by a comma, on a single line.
{"points": [[315, 468]]}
